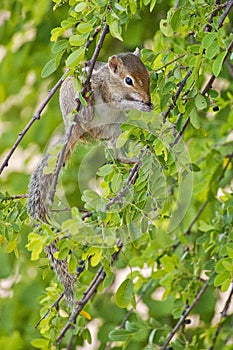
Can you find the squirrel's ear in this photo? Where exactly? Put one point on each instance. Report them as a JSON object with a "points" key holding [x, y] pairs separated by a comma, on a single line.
{"points": [[137, 52], [114, 63]]}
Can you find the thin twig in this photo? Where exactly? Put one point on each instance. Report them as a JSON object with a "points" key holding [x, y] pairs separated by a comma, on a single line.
{"points": [[170, 62], [187, 232], [130, 180], [17, 196], [209, 84], [55, 304], [175, 97], [207, 87], [185, 314], [203, 206], [85, 89], [208, 27], [36, 116], [230, 67], [222, 318], [225, 13]]}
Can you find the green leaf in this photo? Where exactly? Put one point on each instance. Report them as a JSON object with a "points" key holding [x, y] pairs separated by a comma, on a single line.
{"points": [[96, 258], [194, 119], [119, 335], [115, 30], [35, 245], [152, 5], [200, 102], [230, 252], [91, 198], [122, 139], [208, 39], [109, 280], [56, 32], [40, 343], [84, 28], [133, 6], [75, 58], [72, 263], [80, 7], [82, 100], [87, 335], [60, 46], [105, 170], [11, 246], [212, 50], [131, 327], [226, 284], [49, 68], [176, 21], [228, 265], [221, 278], [195, 167], [124, 294], [218, 62], [204, 227], [77, 40], [116, 183], [168, 263], [165, 27]]}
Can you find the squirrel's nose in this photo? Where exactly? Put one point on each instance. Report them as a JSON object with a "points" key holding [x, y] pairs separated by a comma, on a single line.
{"points": [[147, 99]]}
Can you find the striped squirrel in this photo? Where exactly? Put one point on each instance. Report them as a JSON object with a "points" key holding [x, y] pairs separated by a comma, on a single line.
{"points": [[119, 85]]}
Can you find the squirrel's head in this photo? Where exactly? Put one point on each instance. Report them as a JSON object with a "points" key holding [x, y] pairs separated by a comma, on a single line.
{"points": [[133, 79]]}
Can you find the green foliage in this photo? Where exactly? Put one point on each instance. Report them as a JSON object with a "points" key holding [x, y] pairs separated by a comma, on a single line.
{"points": [[174, 218]]}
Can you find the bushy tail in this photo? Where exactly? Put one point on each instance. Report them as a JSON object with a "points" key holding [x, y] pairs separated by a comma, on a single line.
{"points": [[39, 208]]}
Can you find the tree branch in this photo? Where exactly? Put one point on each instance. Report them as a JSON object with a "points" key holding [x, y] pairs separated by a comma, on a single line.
{"points": [[207, 87], [39, 111], [185, 314], [203, 206], [33, 119], [209, 84], [175, 97], [130, 180], [222, 318], [187, 232]]}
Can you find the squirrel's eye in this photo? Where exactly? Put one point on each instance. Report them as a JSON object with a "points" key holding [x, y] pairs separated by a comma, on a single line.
{"points": [[128, 81]]}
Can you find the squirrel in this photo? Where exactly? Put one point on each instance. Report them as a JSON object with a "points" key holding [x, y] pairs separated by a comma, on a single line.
{"points": [[119, 85]]}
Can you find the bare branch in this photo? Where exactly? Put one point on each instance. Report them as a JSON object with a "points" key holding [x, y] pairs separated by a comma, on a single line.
{"points": [[33, 119], [225, 13], [39, 111], [17, 196]]}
